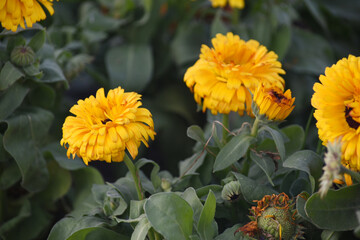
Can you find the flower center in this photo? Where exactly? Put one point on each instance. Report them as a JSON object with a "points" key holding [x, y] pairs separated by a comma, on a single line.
{"points": [[352, 123], [278, 97], [105, 121]]}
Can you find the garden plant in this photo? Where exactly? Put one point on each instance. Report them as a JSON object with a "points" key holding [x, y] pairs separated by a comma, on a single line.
{"points": [[179, 119]]}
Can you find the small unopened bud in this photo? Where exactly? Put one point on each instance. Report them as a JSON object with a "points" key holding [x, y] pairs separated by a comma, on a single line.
{"points": [[231, 191], [22, 56], [166, 185]]}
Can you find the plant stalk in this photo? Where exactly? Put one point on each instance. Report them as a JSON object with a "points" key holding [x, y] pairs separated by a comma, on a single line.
{"points": [[134, 172], [225, 123], [307, 127], [255, 127]]}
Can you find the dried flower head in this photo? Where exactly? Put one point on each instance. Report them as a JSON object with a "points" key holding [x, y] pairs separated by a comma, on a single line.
{"points": [[273, 218]]}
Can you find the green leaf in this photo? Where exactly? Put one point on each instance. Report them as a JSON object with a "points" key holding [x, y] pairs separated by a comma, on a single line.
{"points": [[22, 139], [68, 226], [281, 41], [136, 208], [205, 226], [265, 163], [155, 179], [330, 235], [15, 41], [141, 230], [305, 44], [216, 189], [337, 210], [52, 72], [300, 205], [37, 41], [195, 132], [252, 190], [83, 180], [307, 161], [9, 75], [185, 47], [278, 139], [57, 152], [228, 234], [25, 211], [235, 149], [190, 196], [173, 221], [130, 66], [217, 25], [191, 164], [10, 175], [296, 136], [42, 96], [95, 233], [12, 99], [314, 10], [32, 226], [58, 185]]}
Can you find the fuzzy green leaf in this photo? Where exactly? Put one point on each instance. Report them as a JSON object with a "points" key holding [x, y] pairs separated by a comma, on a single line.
{"points": [[174, 221], [9, 75], [232, 151], [307, 161], [337, 210], [205, 225]]}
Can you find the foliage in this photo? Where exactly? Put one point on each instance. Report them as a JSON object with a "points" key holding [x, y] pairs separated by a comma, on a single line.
{"points": [[146, 46]]}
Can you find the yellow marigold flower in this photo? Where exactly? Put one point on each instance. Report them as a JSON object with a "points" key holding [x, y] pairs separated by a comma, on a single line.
{"points": [[225, 76], [233, 3], [16, 12], [272, 102], [337, 103], [104, 127]]}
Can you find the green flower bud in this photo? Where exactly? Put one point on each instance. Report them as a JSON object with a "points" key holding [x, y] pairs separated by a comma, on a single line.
{"points": [[231, 191], [165, 185], [277, 222], [22, 56]]}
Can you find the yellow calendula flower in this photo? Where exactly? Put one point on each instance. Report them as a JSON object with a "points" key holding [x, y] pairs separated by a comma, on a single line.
{"points": [[273, 102], [16, 12], [337, 103], [104, 127], [225, 76], [233, 3]]}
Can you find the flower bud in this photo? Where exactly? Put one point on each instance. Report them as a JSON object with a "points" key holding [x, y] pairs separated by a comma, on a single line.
{"points": [[231, 191], [166, 185], [22, 56]]}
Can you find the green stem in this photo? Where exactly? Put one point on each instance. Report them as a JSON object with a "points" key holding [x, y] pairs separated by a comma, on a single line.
{"points": [[308, 126], [255, 127], [134, 172], [235, 16], [157, 235], [354, 175], [225, 123], [246, 165]]}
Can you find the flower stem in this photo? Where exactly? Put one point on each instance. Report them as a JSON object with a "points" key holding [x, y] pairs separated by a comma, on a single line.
{"points": [[308, 126], [255, 127], [354, 175], [134, 172], [225, 123]]}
